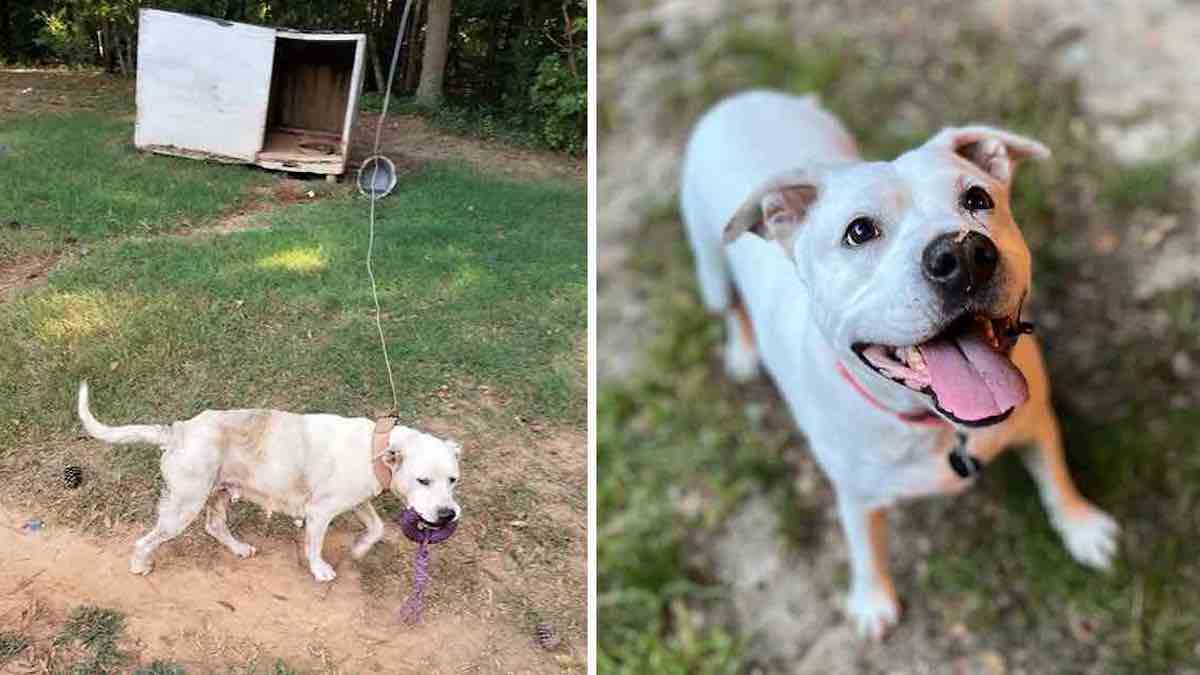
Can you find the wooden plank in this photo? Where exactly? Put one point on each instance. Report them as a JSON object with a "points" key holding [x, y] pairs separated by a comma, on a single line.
{"points": [[203, 85], [301, 152], [356, 86]]}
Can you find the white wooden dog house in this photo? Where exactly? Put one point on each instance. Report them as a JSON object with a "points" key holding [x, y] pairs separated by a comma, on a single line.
{"points": [[234, 92]]}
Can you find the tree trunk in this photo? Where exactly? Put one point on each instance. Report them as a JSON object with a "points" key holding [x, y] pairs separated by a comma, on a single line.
{"points": [[409, 55], [376, 65], [6, 44], [437, 46]]}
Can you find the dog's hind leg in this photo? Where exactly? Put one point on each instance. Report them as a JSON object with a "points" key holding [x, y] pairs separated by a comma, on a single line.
{"points": [[177, 508], [216, 523], [741, 355], [370, 520]]}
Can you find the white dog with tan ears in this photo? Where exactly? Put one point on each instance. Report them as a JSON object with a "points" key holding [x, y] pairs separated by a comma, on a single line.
{"points": [[310, 467], [884, 299]]}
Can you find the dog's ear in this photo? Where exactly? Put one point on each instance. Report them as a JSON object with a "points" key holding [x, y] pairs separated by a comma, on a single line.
{"points": [[776, 210], [996, 151], [455, 446]]}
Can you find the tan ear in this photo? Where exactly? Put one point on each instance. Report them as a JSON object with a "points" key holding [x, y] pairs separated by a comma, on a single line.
{"points": [[996, 151], [776, 210]]}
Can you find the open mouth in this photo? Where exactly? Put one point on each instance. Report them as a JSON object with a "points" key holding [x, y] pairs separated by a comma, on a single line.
{"points": [[966, 368]]}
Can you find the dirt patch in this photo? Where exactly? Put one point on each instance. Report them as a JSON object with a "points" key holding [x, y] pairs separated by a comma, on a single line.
{"points": [[518, 562], [29, 92], [410, 141], [248, 214], [24, 272]]}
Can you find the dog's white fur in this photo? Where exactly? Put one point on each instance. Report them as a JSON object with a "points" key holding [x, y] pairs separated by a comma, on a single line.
{"points": [[797, 299], [310, 467]]}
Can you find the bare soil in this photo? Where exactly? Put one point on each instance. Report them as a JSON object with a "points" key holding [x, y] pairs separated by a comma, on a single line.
{"points": [[24, 272], [410, 141], [505, 573]]}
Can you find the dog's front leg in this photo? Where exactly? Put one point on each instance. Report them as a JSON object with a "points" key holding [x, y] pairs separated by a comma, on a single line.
{"points": [[316, 522], [872, 601], [1089, 533], [374, 530]]}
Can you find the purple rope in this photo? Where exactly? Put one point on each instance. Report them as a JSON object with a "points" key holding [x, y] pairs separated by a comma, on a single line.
{"points": [[411, 524]]}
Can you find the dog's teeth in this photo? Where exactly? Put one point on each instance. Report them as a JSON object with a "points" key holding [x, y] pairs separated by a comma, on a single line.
{"points": [[915, 360]]}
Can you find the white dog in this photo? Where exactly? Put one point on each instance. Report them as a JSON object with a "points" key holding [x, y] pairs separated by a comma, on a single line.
{"points": [[884, 299], [311, 467]]}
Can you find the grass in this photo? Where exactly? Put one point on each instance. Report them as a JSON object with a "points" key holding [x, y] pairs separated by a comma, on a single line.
{"points": [[11, 644], [462, 118], [678, 445], [76, 177], [481, 281], [96, 631]]}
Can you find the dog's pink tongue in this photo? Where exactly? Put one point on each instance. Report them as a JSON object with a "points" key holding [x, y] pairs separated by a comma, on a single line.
{"points": [[973, 381]]}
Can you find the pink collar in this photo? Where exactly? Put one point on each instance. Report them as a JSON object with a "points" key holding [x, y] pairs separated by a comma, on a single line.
{"points": [[922, 418]]}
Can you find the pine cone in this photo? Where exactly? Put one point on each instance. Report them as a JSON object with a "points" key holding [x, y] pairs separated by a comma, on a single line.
{"points": [[72, 477], [546, 637]]}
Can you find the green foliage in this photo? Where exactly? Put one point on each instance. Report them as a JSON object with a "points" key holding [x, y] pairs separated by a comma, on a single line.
{"points": [[64, 39], [560, 96], [508, 69], [1146, 185]]}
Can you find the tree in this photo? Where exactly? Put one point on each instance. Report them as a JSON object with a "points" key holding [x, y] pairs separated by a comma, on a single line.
{"points": [[437, 47]]}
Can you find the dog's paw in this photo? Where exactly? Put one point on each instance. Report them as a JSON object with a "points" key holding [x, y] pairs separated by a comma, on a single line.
{"points": [[243, 550], [741, 362], [323, 571], [1091, 537], [140, 566], [874, 611]]}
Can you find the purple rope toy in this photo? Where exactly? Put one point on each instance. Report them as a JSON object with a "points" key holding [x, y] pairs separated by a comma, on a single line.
{"points": [[420, 532]]}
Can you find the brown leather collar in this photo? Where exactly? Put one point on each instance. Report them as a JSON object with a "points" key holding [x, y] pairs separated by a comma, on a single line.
{"points": [[379, 448]]}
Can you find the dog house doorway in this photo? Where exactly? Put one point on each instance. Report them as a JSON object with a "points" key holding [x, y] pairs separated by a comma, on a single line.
{"points": [[308, 114]]}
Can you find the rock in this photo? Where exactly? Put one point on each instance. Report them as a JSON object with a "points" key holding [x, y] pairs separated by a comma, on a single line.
{"points": [[1182, 365], [834, 653]]}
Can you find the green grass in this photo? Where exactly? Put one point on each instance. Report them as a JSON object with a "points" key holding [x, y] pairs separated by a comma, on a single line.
{"points": [[161, 668], [11, 644], [678, 445], [96, 630], [77, 177], [462, 118], [481, 281]]}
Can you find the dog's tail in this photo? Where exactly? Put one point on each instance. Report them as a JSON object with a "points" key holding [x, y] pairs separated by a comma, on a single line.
{"points": [[155, 434]]}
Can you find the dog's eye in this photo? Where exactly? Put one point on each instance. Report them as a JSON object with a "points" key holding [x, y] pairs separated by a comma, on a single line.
{"points": [[423, 481], [453, 481], [860, 231], [977, 199]]}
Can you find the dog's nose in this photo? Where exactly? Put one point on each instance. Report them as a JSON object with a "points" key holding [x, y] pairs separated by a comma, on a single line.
{"points": [[960, 264], [445, 515]]}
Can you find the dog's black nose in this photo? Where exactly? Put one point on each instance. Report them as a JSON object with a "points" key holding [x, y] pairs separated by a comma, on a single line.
{"points": [[960, 264], [445, 515]]}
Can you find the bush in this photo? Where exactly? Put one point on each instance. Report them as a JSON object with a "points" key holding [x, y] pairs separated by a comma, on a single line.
{"points": [[559, 96]]}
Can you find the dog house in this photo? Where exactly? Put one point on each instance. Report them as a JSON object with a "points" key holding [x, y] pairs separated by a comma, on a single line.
{"points": [[233, 92]]}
